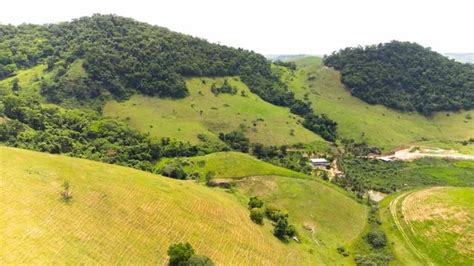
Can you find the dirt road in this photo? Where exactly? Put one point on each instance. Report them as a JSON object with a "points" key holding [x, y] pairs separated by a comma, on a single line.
{"points": [[413, 154]]}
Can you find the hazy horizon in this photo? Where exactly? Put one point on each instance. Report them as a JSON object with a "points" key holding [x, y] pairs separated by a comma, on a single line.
{"points": [[282, 27]]}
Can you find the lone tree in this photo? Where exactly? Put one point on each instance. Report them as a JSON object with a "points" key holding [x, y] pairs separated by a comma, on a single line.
{"points": [[66, 193], [180, 253], [16, 86]]}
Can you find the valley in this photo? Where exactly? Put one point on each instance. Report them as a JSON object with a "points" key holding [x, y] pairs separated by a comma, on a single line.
{"points": [[122, 142]]}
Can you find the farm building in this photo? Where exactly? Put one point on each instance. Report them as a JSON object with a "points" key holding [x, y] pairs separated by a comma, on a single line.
{"points": [[318, 162]]}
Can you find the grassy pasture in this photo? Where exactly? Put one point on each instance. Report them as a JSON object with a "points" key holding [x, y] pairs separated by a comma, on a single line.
{"points": [[233, 165], [375, 124], [324, 216], [118, 215], [431, 226], [204, 113]]}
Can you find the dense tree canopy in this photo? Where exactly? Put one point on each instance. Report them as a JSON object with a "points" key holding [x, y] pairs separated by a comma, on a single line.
{"points": [[405, 76]]}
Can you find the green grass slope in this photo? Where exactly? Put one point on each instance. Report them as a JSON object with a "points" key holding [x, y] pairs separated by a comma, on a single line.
{"points": [[28, 80], [203, 113], [120, 215], [431, 226], [376, 124], [234, 165], [324, 215]]}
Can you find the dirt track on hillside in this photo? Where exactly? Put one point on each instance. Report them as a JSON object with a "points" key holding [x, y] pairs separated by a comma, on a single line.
{"points": [[411, 154]]}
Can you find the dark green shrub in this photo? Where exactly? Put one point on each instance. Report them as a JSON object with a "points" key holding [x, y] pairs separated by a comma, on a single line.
{"points": [[256, 215], [180, 253], [280, 229], [275, 214], [255, 202], [174, 171], [376, 239]]}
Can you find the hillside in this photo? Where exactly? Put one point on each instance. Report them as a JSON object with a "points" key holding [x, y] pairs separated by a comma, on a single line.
{"points": [[325, 218], [310, 202], [440, 216], [203, 115], [91, 60], [120, 215], [377, 125], [405, 76], [233, 165]]}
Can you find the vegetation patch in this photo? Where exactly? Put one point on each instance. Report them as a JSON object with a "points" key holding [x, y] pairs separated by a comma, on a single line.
{"points": [[361, 175]]}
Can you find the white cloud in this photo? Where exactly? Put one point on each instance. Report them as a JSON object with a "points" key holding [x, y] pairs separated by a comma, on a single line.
{"points": [[297, 26]]}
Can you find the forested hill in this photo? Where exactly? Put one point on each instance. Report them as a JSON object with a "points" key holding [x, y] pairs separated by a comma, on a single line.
{"points": [[120, 57], [405, 76]]}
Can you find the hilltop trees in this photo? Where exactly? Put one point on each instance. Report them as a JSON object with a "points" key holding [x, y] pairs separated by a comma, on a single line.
{"points": [[405, 76]]}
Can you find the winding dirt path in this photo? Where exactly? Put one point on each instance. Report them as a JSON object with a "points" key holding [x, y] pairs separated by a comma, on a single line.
{"points": [[393, 211]]}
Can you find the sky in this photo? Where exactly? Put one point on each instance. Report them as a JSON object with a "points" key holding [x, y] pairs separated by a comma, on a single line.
{"points": [[279, 27]]}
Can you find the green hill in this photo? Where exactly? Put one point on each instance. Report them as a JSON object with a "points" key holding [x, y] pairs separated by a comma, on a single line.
{"points": [[92, 60], [233, 165], [121, 215], [431, 226], [375, 124], [405, 76], [203, 114], [324, 217], [310, 202]]}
